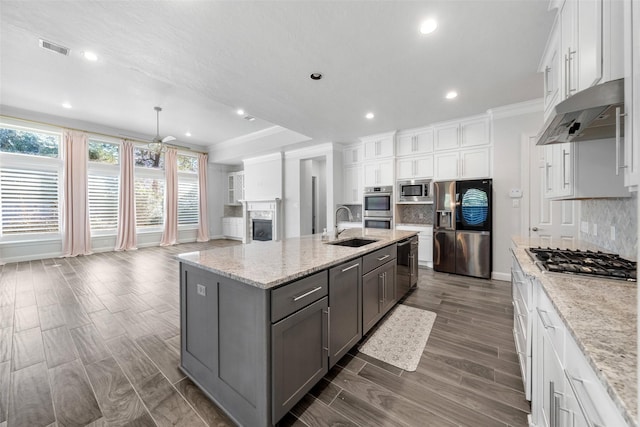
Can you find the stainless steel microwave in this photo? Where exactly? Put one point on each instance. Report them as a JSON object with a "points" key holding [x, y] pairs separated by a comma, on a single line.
{"points": [[414, 191]]}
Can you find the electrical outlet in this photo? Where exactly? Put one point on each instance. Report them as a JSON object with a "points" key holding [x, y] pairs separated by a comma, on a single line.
{"points": [[201, 290], [595, 229], [421, 215], [613, 232], [584, 227]]}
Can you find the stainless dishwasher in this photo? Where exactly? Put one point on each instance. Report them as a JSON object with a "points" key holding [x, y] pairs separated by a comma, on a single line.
{"points": [[407, 271]]}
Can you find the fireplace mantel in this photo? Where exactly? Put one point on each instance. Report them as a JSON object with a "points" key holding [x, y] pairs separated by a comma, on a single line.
{"points": [[262, 209]]}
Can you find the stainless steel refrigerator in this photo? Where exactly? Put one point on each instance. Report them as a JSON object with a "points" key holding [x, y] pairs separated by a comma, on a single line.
{"points": [[462, 227]]}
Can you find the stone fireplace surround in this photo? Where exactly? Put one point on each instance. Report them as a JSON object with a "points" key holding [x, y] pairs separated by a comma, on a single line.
{"points": [[262, 209]]}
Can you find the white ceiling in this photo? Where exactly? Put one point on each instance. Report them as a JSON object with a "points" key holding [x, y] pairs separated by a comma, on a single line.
{"points": [[201, 60]]}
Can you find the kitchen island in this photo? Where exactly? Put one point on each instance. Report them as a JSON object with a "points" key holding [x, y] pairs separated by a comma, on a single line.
{"points": [[262, 323], [597, 352]]}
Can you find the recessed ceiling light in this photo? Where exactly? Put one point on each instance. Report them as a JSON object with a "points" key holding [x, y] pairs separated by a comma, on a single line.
{"points": [[428, 26], [90, 56], [187, 134], [315, 76], [240, 112], [66, 105], [451, 94], [369, 116]]}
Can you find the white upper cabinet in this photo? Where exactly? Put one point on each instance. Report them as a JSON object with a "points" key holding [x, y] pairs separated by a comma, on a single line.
{"points": [[235, 188], [352, 185], [414, 167], [552, 69], [465, 133], [378, 173], [464, 164], [630, 165], [414, 142], [378, 146], [352, 155]]}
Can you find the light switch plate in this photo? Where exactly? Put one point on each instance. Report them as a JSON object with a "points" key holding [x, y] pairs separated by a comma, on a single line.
{"points": [[595, 229], [613, 232], [201, 290], [584, 227]]}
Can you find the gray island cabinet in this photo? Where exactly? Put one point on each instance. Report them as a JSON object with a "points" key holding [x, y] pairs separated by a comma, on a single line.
{"points": [[255, 340]]}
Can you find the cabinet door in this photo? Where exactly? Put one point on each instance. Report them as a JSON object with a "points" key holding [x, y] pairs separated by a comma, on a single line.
{"points": [[425, 248], [564, 178], [352, 185], [389, 296], [475, 163], [372, 300], [548, 380], [226, 227], [446, 137], [371, 174], [299, 355], [446, 165], [405, 168], [552, 69], [589, 59], [423, 167], [352, 155], [231, 189], [415, 143], [568, 49], [475, 132], [379, 148], [405, 145], [238, 187], [345, 308], [631, 163]]}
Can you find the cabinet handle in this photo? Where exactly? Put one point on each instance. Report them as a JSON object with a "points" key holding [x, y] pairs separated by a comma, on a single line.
{"points": [[566, 76], [545, 324], [619, 141], [552, 405], [328, 313], [571, 53], [564, 168], [546, 79], [384, 257], [350, 267], [547, 166], [572, 382], [380, 291], [306, 294]]}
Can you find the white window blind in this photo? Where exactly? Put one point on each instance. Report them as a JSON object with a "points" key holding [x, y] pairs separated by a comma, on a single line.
{"points": [[187, 201], [29, 201], [103, 202], [149, 201]]}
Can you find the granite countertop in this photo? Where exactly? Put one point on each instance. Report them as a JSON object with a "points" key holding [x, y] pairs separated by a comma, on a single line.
{"points": [[601, 316], [406, 224], [269, 264]]}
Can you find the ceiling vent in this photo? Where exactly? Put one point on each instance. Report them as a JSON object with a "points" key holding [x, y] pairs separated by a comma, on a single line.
{"points": [[249, 118], [54, 47]]}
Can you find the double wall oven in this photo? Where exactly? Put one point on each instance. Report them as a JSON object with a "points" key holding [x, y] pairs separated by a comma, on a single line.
{"points": [[378, 207]]}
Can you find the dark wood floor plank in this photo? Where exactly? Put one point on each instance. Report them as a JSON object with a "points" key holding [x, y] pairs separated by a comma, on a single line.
{"points": [[315, 413], [486, 347], [381, 397], [325, 391], [379, 363], [107, 325], [51, 316], [208, 411], [58, 346], [5, 377], [167, 406], [30, 402], [135, 364], [431, 397], [362, 413], [164, 356], [27, 348], [351, 363], [73, 399], [460, 363], [119, 402], [89, 344], [5, 344], [514, 382], [497, 392]]}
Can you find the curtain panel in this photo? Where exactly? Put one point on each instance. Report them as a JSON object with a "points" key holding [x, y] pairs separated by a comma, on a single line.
{"points": [[76, 229], [203, 211], [170, 234], [126, 239]]}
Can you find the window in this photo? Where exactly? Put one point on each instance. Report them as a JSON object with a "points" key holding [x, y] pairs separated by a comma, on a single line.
{"points": [[29, 182], [188, 195], [149, 201], [143, 157], [103, 185]]}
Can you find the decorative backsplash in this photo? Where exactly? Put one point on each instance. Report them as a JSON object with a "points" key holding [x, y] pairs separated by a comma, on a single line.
{"points": [[232, 210], [619, 213], [414, 214], [356, 212]]}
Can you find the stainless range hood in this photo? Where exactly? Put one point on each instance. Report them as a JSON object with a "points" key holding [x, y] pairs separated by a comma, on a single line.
{"points": [[589, 114]]}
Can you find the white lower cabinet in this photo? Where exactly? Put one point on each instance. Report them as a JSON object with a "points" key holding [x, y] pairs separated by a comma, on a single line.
{"points": [[233, 227], [566, 391], [425, 243]]}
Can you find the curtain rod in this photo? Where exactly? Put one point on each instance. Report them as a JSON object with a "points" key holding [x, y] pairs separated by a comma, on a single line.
{"points": [[101, 134]]}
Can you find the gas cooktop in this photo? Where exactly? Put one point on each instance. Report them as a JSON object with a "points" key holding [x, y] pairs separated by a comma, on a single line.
{"points": [[588, 263]]}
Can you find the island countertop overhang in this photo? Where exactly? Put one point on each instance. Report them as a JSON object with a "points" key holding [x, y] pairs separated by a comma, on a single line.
{"points": [[270, 264]]}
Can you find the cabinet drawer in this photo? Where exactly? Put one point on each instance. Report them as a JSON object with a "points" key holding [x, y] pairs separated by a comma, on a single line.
{"points": [[296, 295], [377, 258], [552, 324]]}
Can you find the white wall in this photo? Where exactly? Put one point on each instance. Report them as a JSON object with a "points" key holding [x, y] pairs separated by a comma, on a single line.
{"points": [[263, 177], [509, 124]]}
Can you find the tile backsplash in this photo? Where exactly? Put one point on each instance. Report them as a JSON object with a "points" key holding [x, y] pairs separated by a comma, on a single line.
{"points": [[356, 212], [230, 210], [620, 213], [414, 214]]}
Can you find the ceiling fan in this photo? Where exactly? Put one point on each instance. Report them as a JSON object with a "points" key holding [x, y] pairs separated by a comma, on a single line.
{"points": [[157, 144]]}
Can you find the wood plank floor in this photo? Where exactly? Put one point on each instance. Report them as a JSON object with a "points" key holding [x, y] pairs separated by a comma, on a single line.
{"points": [[95, 341]]}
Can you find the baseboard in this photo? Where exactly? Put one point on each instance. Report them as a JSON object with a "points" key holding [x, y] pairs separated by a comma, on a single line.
{"points": [[496, 275]]}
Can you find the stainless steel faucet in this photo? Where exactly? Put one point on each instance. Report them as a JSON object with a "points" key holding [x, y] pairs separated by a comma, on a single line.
{"points": [[336, 233]]}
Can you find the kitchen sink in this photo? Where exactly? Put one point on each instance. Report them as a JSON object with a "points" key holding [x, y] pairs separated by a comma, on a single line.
{"points": [[355, 242]]}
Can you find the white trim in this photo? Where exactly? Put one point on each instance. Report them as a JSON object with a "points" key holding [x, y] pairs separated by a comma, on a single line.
{"points": [[273, 130], [309, 152], [518, 109], [389, 134], [496, 275]]}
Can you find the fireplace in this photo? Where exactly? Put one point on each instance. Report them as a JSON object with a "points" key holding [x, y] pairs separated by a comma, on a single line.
{"points": [[261, 229]]}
